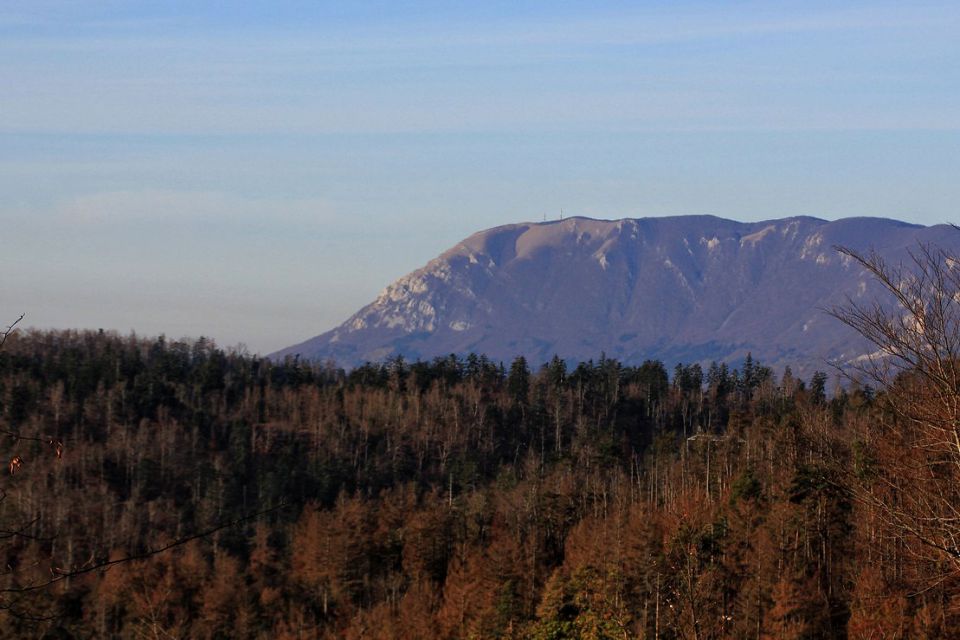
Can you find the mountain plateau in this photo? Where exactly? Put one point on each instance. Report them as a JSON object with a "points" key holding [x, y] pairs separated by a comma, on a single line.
{"points": [[678, 289]]}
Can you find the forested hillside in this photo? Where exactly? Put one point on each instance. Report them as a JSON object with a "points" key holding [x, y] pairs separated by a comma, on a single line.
{"points": [[456, 499]]}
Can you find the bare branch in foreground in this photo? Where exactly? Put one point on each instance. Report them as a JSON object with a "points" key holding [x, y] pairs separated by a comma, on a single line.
{"points": [[61, 574], [10, 329]]}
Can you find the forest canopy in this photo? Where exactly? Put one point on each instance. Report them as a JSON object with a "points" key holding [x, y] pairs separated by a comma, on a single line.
{"points": [[452, 498]]}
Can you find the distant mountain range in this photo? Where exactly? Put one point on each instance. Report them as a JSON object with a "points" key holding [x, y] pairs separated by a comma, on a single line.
{"points": [[679, 289]]}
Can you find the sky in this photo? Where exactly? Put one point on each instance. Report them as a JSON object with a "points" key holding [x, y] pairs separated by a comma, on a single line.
{"points": [[256, 172]]}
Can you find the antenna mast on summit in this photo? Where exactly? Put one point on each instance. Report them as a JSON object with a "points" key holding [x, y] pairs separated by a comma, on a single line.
{"points": [[561, 213]]}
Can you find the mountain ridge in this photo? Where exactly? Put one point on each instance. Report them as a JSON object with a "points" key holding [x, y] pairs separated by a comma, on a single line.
{"points": [[690, 288]]}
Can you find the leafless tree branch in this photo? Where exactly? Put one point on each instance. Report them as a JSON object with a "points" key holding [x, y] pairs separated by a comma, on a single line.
{"points": [[10, 329], [60, 574], [914, 485]]}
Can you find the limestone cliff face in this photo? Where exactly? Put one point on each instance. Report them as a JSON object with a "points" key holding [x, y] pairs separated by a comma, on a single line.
{"points": [[692, 288]]}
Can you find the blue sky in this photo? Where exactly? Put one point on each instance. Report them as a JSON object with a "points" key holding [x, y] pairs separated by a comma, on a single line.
{"points": [[256, 173]]}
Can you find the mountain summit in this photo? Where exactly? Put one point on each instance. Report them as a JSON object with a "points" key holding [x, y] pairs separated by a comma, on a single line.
{"points": [[688, 288]]}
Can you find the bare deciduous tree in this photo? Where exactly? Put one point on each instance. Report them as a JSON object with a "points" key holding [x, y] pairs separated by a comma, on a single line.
{"points": [[906, 466]]}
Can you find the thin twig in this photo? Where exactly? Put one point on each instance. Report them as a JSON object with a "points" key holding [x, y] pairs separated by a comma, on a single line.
{"points": [[61, 574], [6, 333]]}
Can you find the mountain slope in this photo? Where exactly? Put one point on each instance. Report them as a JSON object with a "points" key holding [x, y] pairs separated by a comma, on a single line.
{"points": [[689, 288]]}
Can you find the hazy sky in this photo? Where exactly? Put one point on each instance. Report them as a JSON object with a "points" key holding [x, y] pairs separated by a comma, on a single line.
{"points": [[258, 173]]}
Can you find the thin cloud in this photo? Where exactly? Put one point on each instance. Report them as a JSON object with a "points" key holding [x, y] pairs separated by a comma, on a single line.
{"points": [[148, 205], [645, 27]]}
